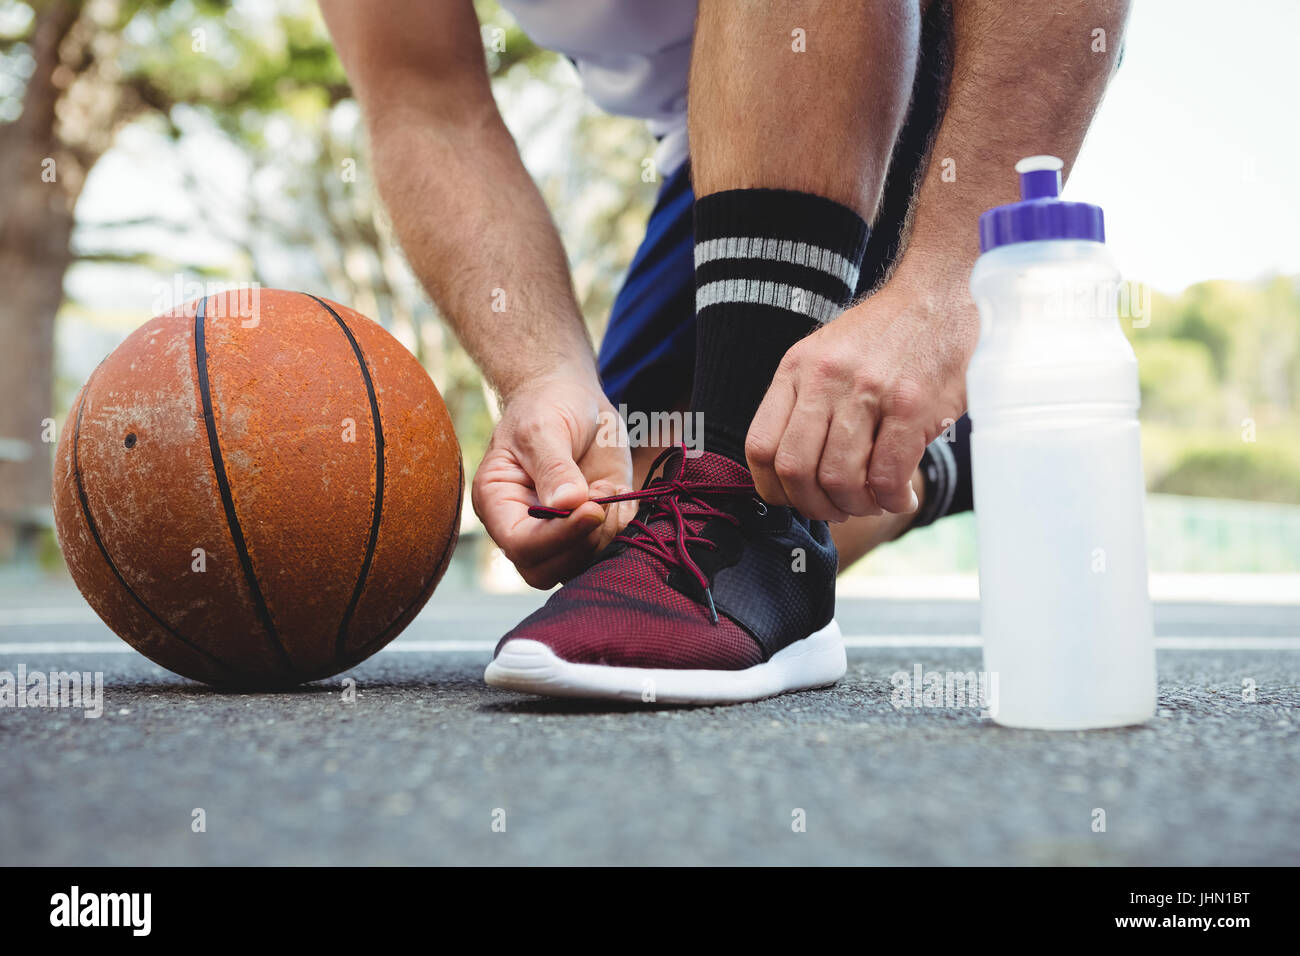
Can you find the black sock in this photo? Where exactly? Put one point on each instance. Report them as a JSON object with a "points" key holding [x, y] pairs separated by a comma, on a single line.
{"points": [[771, 265], [945, 467]]}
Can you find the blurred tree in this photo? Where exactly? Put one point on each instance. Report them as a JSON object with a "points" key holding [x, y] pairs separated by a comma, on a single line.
{"points": [[77, 71], [1195, 320], [264, 78], [43, 171], [1269, 472], [1220, 375], [1178, 382]]}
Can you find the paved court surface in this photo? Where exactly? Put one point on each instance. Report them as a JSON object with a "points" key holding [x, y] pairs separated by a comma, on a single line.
{"points": [[419, 767]]}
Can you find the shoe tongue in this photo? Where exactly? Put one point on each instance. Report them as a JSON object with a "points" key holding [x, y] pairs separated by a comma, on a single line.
{"points": [[709, 467], [705, 467]]}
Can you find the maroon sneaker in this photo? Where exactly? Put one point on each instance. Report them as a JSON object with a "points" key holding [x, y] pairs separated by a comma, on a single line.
{"points": [[709, 596]]}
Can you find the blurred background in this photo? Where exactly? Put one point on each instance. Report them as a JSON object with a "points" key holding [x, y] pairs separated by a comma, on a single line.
{"points": [[148, 146]]}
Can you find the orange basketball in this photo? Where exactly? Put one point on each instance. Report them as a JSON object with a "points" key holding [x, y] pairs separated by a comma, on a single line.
{"points": [[258, 489]]}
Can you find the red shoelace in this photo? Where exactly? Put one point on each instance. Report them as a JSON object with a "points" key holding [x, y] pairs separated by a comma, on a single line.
{"points": [[665, 533]]}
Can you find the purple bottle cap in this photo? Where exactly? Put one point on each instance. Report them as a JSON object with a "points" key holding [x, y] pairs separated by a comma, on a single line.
{"points": [[1040, 214]]}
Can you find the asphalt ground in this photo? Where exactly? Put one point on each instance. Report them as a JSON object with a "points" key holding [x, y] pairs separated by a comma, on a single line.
{"points": [[426, 765]]}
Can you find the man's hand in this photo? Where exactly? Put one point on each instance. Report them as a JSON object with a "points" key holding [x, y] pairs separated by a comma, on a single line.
{"points": [[852, 407], [546, 450]]}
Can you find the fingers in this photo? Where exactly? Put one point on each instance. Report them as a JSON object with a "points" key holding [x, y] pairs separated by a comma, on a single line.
{"points": [[501, 497], [765, 433], [897, 451], [546, 454], [531, 541], [842, 473], [548, 551], [617, 513], [819, 456], [797, 458], [545, 557], [545, 450], [565, 559], [556, 570], [784, 446]]}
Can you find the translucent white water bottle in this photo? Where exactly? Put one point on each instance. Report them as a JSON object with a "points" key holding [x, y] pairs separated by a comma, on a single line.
{"points": [[1059, 500]]}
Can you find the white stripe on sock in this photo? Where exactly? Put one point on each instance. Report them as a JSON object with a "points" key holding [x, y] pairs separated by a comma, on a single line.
{"points": [[760, 292], [779, 250]]}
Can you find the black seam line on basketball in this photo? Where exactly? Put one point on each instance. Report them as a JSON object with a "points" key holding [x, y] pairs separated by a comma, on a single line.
{"points": [[103, 549], [438, 568], [378, 510], [227, 499]]}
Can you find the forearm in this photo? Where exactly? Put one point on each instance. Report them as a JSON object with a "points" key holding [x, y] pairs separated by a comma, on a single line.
{"points": [[469, 217], [1026, 80], [480, 238]]}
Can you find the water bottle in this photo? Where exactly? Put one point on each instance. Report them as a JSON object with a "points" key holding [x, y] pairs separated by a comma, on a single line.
{"points": [[1052, 390]]}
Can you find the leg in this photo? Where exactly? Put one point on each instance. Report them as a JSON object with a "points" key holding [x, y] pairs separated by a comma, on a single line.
{"points": [[794, 112], [859, 535], [699, 601], [804, 96]]}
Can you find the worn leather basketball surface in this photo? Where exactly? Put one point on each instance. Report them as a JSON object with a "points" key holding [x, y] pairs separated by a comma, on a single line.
{"points": [[258, 493]]}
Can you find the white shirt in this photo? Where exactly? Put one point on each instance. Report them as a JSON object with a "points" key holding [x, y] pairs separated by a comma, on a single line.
{"points": [[633, 57]]}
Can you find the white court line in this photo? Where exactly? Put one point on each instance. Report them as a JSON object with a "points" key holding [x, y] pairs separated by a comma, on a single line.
{"points": [[1168, 643], [1271, 590], [29, 616], [911, 640]]}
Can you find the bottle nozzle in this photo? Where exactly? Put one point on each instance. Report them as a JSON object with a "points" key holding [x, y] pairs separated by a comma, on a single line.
{"points": [[1040, 177]]}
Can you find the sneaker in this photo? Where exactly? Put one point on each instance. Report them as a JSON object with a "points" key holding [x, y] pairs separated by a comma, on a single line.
{"points": [[709, 596]]}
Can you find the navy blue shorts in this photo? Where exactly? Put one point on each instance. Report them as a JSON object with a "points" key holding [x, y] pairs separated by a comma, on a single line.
{"points": [[647, 357]]}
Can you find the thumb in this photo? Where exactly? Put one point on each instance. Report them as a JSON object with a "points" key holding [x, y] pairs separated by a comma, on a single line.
{"points": [[547, 457]]}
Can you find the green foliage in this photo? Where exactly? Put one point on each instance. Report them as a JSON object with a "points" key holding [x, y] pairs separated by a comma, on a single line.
{"points": [[519, 47], [1218, 363], [49, 556], [228, 59], [1197, 320], [1256, 472], [1178, 380]]}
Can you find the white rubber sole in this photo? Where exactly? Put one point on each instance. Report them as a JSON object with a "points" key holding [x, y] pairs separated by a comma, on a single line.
{"points": [[531, 667]]}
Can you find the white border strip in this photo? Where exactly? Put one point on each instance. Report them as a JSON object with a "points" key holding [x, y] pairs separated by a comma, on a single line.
{"points": [[1164, 643], [1281, 590], [38, 616]]}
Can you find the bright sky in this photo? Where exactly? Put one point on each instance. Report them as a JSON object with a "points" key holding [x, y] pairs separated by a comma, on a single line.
{"points": [[1194, 153]]}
